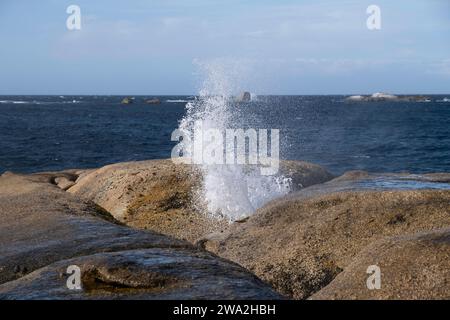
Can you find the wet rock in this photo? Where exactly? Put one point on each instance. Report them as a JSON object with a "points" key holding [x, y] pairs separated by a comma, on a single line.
{"points": [[304, 174], [157, 273]]}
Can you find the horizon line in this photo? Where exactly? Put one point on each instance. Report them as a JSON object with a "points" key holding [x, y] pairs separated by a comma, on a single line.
{"points": [[196, 95]]}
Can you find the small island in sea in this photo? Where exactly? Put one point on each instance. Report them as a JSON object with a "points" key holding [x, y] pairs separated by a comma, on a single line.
{"points": [[379, 96]]}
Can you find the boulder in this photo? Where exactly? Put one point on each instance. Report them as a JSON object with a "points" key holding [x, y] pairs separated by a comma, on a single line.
{"points": [[304, 174], [44, 230], [162, 196], [155, 195], [301, 242]]}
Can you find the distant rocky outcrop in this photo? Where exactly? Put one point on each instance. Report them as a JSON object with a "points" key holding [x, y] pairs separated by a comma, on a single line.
{"points": [[128, 100], [44, 230], [387, 97], [244, 97], [153, 101]]}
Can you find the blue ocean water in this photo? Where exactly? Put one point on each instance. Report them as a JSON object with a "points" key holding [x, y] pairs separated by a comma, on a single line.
{"points": [[46, 133]]}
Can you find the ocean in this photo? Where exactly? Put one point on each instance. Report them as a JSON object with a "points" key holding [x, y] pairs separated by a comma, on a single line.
{"points": [[49, 133]]}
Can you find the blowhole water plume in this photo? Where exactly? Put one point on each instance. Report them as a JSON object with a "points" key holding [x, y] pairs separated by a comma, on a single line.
{"points": [[230, 191]]}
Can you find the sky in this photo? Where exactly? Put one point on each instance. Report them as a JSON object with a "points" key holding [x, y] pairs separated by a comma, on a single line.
{"points": [[155, 47]]}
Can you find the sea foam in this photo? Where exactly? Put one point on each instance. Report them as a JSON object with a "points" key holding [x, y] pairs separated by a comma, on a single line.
{"points": [[230, 191]]}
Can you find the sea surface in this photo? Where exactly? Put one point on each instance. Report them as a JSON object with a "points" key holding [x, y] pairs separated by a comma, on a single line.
{"points": [[48, 133]]}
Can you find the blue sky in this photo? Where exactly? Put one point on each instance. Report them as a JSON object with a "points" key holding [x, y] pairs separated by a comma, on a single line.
{"points": [[284, 47]]}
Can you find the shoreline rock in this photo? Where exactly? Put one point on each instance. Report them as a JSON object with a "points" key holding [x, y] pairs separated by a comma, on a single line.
{"points": [[155, 273], [313, 243], [44, 229], [301, 242], [162, 196], [413, 266]]}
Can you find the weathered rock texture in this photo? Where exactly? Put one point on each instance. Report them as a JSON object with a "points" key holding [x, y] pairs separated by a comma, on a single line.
{"points": [[157, 273], [300, 243], [152, 195], [412, 267], [44, 229], [314, 243], [164, 197]]}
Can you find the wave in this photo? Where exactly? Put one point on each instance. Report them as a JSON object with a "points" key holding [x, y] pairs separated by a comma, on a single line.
{"points": [[73, 101], [14, 102], [177, 101], [363, 156], [38, 102]]}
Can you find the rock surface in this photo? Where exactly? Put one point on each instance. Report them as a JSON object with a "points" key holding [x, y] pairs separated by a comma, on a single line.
{"points": [[162, 196], [412, 267], [153, 101], [44, 229], [314, 243], [153, 195], [64, 183], [300, 243], [157, 273]]}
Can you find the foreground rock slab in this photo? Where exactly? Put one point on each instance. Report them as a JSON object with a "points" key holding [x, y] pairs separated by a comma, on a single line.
{"points": [[158, 273], [300, 243], [412, 267], [44, 230]]}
